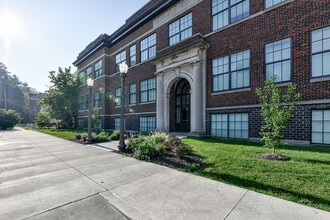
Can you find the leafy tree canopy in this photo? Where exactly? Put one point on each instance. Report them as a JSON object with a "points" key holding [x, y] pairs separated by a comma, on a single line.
{"points": [[60, 100]]}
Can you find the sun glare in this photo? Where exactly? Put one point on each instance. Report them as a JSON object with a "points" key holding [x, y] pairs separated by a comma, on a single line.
{"points": [[11, 28]]}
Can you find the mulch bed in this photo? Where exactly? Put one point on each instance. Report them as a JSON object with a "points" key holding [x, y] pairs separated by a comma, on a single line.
{"points": [[268, 156]]}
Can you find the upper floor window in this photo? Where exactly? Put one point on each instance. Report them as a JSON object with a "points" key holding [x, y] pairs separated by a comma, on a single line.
{"points": [[270, 3], [98, 69], [231, 72], [132, 55], [148, 90], [118, 97], [180, 29], [278, 60], [81, 103], [321, 52], [225, 12], [89, 72], [81, 78], [97, 100], [87, 102], [148, 47], [121, 57], [132, 94]]}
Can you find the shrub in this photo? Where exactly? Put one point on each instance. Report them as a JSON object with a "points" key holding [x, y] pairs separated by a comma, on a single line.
{"points": [[115, 135], [101, 137], [78, 136], [145, 151], [9, 118], [158, 138], [43, 120], [146, 148], [175, 145]]}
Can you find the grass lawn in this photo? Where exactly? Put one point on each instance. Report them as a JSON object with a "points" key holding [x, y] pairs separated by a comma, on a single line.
{"points": [[305, 179], [61, 133]]}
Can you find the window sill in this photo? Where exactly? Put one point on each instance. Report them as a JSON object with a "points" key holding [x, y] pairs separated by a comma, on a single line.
{"points": [[145, 103], [231, 91], [319, 79]]}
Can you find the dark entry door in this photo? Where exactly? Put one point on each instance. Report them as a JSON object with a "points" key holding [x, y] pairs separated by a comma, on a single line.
{"points": [[182, 106]]}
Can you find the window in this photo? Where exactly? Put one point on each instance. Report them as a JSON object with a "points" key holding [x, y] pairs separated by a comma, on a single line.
{"points": [[117, 123], [98, 69], [87, 102], [234, 125], [118, 97], [321, 126], [132, 94], [225, 12], [231, 72], [80, 123], [81, 103], [121, 57], [321, 52], [148, 90], [82, 78], [270, 3], [180, 29], [147, 124], [89, 72], [132, 55], [148, 47], [97, 100], [278, 60]]}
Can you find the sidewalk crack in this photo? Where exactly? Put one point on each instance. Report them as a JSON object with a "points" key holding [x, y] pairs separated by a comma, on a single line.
{"points": [[236, 205]]}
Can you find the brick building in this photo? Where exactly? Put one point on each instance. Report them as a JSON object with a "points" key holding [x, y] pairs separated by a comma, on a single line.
{"points": [[194, 66]]}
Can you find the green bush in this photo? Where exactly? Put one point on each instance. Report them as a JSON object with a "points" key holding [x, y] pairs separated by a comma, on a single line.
{"points": [[9, 118], [43, 120], [146, 148], [146, 151], [115, 135], [101, 137]]}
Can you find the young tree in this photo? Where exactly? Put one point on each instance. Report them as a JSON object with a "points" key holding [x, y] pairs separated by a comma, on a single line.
{"points": [[276, 109], [60, 99]]}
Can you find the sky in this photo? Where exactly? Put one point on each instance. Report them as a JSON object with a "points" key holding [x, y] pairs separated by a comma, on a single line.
{"points": [[38, 36]]}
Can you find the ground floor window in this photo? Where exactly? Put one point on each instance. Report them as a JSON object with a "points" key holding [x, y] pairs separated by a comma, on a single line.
{"points": [[117, 123], [321, 126], [80, 123], [147, 124], [235, 125]]}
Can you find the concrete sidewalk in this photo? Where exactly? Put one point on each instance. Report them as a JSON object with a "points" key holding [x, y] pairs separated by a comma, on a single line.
{"points": [[43, 177]]}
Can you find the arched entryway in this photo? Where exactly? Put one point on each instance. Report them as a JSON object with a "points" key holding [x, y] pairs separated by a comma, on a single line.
{"points": [[180, 106]]}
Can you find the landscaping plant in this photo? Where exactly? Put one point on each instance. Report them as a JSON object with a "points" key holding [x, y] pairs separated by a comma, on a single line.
{"points": [[276, 109]]}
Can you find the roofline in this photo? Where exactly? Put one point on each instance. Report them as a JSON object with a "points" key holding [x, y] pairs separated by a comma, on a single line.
{"points": [[123, 31]]}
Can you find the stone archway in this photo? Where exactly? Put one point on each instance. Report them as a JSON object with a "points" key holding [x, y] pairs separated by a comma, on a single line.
{"points": [[188, 66]]}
